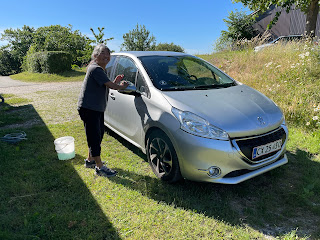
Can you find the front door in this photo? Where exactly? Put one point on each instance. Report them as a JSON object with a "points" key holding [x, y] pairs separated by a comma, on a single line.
{"points": [[124, 111]]}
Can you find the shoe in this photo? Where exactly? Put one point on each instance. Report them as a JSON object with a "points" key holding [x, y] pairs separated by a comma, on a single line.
{"points": [[90, 164], [105, 171]]}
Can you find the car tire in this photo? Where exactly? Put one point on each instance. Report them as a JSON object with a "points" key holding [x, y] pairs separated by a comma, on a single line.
{"points": [[162, 157]]}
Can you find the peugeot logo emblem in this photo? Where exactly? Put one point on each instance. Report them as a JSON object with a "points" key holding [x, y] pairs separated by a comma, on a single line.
{"points": [[261, 121]]}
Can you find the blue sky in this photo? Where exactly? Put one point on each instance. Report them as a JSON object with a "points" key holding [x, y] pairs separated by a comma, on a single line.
{"points": [[193, 24]]}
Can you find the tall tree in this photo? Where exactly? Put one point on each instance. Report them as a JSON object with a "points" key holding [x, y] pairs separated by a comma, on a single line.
{"points": [[58, 38], [139, 39], [8, 62], [19, 41], [100, 35], [309, 7], [239, 26], [52, 38]]}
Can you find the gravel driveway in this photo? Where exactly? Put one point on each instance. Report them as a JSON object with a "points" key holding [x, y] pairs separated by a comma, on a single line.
{"points": [[54, 102]]}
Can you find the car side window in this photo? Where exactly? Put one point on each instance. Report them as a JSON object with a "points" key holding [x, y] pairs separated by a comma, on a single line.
{"points": [[131, 74], [127, 67], [110, 66]]}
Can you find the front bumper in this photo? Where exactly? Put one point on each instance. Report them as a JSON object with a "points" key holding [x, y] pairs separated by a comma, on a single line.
{"points": [[197, 154]]}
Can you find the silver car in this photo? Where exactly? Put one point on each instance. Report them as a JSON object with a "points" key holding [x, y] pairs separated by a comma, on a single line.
{"points": [[281, 39], [192, 120]]}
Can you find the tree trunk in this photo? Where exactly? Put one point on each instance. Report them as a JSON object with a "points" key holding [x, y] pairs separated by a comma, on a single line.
{"points": [[312, 15]]}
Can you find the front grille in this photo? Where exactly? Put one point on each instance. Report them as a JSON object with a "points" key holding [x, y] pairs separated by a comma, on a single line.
{"points": [[246, 145]]}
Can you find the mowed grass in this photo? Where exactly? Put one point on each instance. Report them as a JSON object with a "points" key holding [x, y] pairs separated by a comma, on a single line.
{"points": [[44, 198], [13, 110], [68, 76]]}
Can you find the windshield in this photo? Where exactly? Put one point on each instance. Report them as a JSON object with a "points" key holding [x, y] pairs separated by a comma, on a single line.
{"points": [[184, 73]]}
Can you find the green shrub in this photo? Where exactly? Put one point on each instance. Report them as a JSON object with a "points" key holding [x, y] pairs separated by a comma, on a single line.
{"points": [[49, 62], [9, 64], [75, 67], [33, 63]]}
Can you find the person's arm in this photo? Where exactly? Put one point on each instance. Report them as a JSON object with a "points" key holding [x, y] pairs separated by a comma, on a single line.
{"points": [[115, 84]]}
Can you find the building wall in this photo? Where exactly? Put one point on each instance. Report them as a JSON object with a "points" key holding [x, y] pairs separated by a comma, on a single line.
{"points": [[292, 23]]}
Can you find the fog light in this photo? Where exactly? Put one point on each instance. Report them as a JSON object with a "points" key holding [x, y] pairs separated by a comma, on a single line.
{"points": [[214, 171]]}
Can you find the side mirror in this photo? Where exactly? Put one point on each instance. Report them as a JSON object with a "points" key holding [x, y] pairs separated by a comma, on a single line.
{"points": [[131, 89]]}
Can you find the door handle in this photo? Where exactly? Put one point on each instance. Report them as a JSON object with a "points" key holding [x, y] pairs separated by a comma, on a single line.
{"points": [[112, 96]]}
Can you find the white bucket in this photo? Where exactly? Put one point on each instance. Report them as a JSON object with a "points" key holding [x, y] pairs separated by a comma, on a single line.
{"points": [[65, 147]]}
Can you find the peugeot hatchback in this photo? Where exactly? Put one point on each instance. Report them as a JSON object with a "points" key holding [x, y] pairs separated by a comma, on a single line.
{"points": [[192, 120]]}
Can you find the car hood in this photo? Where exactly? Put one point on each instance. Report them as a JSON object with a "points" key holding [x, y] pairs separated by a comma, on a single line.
{"points": [[239, 110]]}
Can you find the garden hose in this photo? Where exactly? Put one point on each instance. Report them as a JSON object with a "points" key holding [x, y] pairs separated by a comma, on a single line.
{"points": [[14, 137]]}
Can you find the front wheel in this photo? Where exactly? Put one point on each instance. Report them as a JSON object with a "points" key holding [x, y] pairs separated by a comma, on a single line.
{"points": [[162, 157]]}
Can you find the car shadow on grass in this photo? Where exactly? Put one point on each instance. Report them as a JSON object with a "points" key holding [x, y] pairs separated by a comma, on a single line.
{"points": [[279, 202], [42, 197]]}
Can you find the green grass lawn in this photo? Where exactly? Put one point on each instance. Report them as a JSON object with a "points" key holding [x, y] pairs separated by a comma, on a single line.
{"points": [[46, 198], [69, 76], [42, 197]]}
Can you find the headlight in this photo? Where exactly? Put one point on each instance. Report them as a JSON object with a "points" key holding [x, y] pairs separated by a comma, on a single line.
{"points": [[198, 126]]}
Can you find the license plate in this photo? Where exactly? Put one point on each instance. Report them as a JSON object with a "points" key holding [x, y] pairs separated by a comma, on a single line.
{"points": [[265, 149]]}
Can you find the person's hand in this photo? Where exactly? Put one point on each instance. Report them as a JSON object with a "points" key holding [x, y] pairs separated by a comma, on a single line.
{"points": [[118, 79], [124, 84]]}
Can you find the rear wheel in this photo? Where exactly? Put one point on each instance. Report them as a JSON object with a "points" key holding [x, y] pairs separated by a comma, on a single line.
{"points": [[162, 157]]}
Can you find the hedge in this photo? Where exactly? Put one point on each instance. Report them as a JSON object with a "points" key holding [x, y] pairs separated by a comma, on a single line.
{"points": [[49, 62]]}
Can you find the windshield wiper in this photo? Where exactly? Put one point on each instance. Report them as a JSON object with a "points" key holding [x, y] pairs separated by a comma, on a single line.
{"points": [[214, 86], [175, 89], [227, 85], [201, 87], [188, 88]]}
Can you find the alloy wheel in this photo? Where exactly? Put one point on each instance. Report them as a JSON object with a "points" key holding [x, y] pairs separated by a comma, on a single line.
{"points": [[160, 156]]}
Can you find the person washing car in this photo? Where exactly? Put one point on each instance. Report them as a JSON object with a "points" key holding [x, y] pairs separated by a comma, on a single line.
{"points": [[92, 104]]}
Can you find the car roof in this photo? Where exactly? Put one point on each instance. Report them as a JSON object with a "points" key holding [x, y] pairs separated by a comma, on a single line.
{"points": [[150, 53], [289, 36]]}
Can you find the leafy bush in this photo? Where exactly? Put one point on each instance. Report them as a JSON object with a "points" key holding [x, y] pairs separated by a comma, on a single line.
{"points": [[49, 62], [51, 38], [19, 41], [9, 64], [59, 38], [239, 34]]}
